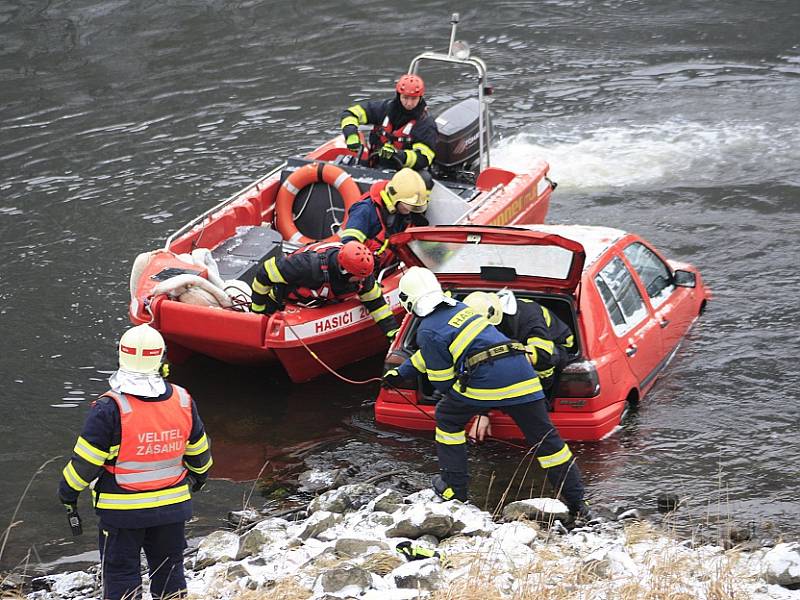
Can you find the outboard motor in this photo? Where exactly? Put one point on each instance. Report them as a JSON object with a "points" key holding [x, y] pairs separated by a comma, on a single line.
{"points": [[458, 146]]}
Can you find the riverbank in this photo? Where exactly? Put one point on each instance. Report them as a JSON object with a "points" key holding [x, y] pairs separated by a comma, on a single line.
{"points": [[343, 544]]}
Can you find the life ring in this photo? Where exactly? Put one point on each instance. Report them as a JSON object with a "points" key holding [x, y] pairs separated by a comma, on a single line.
{"points": [[302, 177]]}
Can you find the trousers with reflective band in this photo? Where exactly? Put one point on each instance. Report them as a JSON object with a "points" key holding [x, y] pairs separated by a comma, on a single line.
{"points": [[532, 418], [153, 440]]}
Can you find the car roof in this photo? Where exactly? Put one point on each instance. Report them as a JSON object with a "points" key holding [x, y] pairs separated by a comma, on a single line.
{"points": [[594, 239]]}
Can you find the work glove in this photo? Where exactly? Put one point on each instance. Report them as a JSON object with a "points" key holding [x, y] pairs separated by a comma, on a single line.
{"points": [[387, 152], [412, 552], [73, 518], [353, 142], [390, 335], [391, 379]]}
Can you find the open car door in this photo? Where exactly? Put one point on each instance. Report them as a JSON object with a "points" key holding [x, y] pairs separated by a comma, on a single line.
{"points": [[497, 254]]}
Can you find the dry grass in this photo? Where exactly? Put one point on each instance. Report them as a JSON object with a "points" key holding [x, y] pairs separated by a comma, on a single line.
{"points": [[283, 589]]}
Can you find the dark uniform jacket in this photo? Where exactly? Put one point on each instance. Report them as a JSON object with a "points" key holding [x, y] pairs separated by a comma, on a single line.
{"points": [[451, 334], [313, 275], [389, 119], [99, 444], [547, 337]]}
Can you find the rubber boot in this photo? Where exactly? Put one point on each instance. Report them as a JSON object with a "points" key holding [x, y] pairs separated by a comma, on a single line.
{"points": [[446, 492]]}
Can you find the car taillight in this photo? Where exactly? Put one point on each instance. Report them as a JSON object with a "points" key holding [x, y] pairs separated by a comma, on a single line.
{"points": [[393, 360], [579, 380]]}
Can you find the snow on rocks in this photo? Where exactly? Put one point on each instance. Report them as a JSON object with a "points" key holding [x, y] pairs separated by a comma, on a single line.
{"points": [[344, 547]]}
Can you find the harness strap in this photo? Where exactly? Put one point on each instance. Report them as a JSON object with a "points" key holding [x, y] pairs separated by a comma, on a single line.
{"points": [[494, 352]]}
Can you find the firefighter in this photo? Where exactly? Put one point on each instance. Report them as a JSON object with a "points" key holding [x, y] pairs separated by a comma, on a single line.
{"points": [[389, 207], [477, 368], [144, 442], [323, 271], [403, 133]]}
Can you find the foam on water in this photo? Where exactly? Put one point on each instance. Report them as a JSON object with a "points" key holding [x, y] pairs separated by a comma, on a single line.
{"points": [[657, 156]]}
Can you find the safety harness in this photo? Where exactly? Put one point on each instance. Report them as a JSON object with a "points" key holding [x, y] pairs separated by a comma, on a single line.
{"points": [[490, 354]]}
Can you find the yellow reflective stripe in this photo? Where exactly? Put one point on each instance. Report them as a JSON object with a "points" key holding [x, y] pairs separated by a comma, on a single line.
{"points": [[451, 439], [418, 362], [200, 470], [372, 294], [543, 344], [272, 271], [546, 373], [257, 307], [137, 500], [442, 375], [198, 447], [532, 355], [75, 481], [546, 314], [360, 113], [553, 460], [425, 150], [353, 233], [383, 247], [465, 338], [90, 453], [521, 388], [349, 120], [113, 452], [260, 288], [384, 312], [569, 341], [411, 158]]}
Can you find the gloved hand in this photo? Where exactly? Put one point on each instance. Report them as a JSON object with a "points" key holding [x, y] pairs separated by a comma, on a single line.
{"points": [[391, 378], [353, 142], [413, 552], [390, 335], [197, 483], [73, 518], [387, 152]]}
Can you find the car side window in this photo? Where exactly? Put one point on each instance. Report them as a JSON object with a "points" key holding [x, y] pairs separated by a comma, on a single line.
{"points": [[621, 296], [655, 275]]}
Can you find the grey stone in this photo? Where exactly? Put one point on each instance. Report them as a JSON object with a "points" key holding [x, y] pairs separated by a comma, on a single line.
{"points": [[781, 565], [339, 578], [319, 522], [347, 497], [409, 524], [428, 540], [236, 571], [268, 531], [536, 509], [317, 481], [352, 547], [423, 575], [218, 546], [389, 501], [240, 518]]}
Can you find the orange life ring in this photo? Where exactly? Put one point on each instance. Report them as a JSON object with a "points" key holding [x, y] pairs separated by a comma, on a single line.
{"points": [[302, 177]]}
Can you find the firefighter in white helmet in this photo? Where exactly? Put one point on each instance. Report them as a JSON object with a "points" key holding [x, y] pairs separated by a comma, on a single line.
{"points": [[477, 368], [144, 442], [389, 207]]}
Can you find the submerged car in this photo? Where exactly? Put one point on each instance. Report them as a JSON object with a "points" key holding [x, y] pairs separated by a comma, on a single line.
{"points": [[628, 306]]}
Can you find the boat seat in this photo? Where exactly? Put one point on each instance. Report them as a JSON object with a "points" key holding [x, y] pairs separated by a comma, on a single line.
{"points": [[240, 256]]}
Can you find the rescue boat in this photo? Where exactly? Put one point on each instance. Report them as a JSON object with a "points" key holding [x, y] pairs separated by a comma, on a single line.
{"points": [[194, 289]]}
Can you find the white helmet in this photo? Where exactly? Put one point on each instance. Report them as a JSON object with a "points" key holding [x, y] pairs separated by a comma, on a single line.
{"points": [[141, 349], [487, 304], [420, 291]]}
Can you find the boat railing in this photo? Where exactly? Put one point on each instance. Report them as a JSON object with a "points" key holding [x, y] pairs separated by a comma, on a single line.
{"points": [[480, 203], [458, 53], [246, 190]]}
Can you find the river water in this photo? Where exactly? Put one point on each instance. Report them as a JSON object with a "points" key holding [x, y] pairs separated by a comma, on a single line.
{"points": [[121, 120]]}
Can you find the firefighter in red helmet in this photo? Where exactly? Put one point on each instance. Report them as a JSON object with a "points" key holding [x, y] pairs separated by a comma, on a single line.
{"points": [[403, 133], [323, 271], [146, 447]]}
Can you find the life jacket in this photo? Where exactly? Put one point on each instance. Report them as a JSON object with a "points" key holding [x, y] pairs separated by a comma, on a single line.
{"points": [[319, 262], [153, 440], [400, 138]]}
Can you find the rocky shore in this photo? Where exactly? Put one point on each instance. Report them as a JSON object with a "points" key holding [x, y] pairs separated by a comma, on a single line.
{"points": [[343, 544]]}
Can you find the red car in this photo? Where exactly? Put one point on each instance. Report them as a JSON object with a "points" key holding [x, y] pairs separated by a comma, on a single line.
{"points": [[629, 308]]}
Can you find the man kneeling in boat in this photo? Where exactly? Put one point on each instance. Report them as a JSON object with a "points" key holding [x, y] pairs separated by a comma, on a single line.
{"points": [[389, 207], [403, 133], [322, 271]]}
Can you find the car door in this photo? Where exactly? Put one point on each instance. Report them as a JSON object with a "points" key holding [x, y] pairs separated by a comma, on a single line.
{"points": [[637, 334], [673, 310]]}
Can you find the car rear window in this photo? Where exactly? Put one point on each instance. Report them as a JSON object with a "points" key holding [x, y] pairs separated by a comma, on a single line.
{"points": [[552, 262]]}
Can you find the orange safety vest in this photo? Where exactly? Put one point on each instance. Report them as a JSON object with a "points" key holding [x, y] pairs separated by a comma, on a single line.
{"points": [[400, 138], [153, 439]]}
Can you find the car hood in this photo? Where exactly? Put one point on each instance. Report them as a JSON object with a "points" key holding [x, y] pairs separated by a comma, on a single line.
{"points": [[499, 254]]}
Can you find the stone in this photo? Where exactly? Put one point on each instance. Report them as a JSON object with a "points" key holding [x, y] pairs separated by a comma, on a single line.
{"points": [[423, 575], [418, 520], [544, 510], [781, 565], [218, 546], [352, 547], [344, 498], [344, 578], [317, 481], [389, 501], [236, 571], [241, 518], [319, 522], [68, 583], [267, 532], [516, 532]]}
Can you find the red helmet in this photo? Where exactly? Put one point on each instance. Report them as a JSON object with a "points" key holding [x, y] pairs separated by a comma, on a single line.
{"points": [[356, 259], [410, 85]]}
